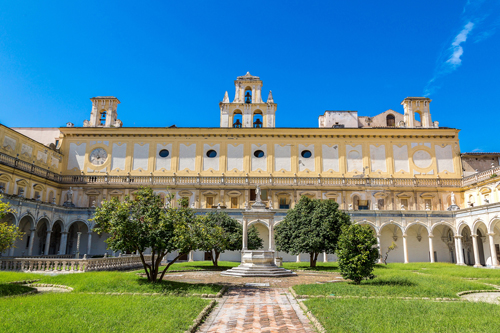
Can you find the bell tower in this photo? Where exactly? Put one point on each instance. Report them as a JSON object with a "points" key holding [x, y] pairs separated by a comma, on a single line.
{"points": [[420, 106], [247, 109], [104, 112]]}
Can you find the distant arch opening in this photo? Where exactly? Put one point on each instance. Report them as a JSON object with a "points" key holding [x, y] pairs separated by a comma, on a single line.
{"points": [[257, 119], [102, 121], [418, 121], [248, 95], [390, 120], [237, 119]]}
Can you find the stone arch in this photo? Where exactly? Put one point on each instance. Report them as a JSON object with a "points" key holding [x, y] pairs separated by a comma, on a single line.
{"points": [[370, 224], [262, 229], [477, 223], [449, 225], [72, 245], [257, 119], [494, 222], [390, 232], [467, 244], [41, 231], [417, 241], [461, 226], [237, 119], [390, 120], [444, 242], [10, 218], [32, 218], [55, 237]]}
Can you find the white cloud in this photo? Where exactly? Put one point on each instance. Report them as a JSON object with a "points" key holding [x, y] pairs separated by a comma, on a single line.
{"points": [[456, 49]]}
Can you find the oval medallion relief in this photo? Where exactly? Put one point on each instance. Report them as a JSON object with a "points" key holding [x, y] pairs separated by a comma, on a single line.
{"points": [[422, 159]]}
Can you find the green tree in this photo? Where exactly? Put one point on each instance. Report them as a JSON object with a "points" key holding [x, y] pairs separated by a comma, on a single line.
{"points": [[312, 226], [357, 253], [8, 233], [225, 233], [144, 223]]}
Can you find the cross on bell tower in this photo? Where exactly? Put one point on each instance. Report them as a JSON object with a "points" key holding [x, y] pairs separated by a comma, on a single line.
{"points": [[247, 109]]}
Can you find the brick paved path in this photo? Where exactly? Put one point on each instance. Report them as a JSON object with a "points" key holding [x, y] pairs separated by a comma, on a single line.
{"points": [[257, 310]]}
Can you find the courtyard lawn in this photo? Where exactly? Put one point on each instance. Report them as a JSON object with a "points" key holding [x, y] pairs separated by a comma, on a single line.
{"points": [[320, 266], [411, 280], [114, 281], [383, 315], [56, 312], [198, 266]]}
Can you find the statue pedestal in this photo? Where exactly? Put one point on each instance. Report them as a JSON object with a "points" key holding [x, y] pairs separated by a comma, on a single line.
{"points": [[258, 263]]}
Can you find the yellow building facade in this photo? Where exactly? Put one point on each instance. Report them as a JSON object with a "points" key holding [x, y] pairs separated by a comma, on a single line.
{"points": [[399, 172]]}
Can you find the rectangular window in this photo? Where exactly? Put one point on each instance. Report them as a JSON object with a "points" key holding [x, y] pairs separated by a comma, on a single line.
{"points": [[404, 203], [381, 204], [428, 204], [92, 201], [284, 203], [209, 202], [234, 202], [363, 205], [263, 195], [28, 241]]}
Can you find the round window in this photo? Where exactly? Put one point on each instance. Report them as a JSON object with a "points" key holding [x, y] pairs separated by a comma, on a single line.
{"points": [[258, 153], [164, 153], [211, 153], [306, 154]]}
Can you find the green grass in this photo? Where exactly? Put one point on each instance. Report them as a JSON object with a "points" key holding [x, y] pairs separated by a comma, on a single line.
{"points": [[382, 315], [98, 313], [198, 266], [126, 282], [320, 266], [417, 280], [13, 289], [113, 282]]}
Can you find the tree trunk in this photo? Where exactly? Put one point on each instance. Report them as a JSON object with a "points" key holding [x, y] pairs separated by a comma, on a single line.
{"points": [[312, 261], [216, 259], [168, 266]]}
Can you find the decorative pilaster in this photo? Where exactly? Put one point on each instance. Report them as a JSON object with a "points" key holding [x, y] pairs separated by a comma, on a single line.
{"points": [[64, 241], [89, 242], [32, 240], [379, 244], [245, 234]]}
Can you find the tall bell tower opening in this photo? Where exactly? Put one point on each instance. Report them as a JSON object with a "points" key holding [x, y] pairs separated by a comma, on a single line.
{"points": [[104, 112], [247, 110]]}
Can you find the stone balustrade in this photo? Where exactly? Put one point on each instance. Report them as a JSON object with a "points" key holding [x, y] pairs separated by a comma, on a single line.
{"points": [[71, 265], [481, 176]]}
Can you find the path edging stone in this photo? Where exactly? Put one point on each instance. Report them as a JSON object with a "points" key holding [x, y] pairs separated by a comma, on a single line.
{"points": [[201, 317]]}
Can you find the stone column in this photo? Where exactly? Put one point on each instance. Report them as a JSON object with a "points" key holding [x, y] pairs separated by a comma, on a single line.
{"points": [[191, 256], [431, 247], [379, 250], [477, 262], [47, 242], [245, 234], [298, 258], [325, 257], [32, 241], [460, 252], [405, 249], [78, 245], [64, 242], [271, 238], [89, 242], [494, 260]]}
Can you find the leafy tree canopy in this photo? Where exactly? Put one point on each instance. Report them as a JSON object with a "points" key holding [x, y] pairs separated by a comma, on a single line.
{"points": [[144, 223], [357, 253], [8, 233], [225, 233], [313, 226]]}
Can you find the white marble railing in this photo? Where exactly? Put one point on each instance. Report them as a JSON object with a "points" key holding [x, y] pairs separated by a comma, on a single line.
{"points": [[480, 176], [71, 265]]}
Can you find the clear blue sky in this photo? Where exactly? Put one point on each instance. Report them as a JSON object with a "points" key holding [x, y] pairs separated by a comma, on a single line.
{"points": [[171, 62]]}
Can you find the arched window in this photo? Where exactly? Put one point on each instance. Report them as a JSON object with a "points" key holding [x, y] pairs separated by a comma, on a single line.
{"points": [[237, 119], [417, 119], [257, 119], [248, 96], [103, 118], [355, 202], [391, 120]]}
